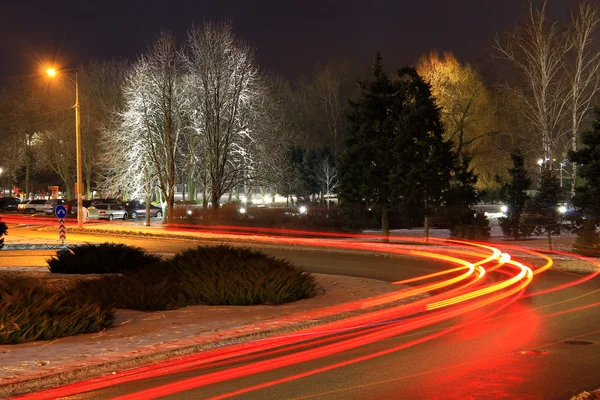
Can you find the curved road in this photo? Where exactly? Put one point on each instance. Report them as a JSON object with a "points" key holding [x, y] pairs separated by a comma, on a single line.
{"points": [[541, 347]]}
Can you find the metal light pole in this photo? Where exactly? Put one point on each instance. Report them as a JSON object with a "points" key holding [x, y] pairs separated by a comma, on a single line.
{"points": [[78, 146], [52, 73]]}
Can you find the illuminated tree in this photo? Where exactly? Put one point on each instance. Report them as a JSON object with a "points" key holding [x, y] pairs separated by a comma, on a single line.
{"points": [[147, 135], [583, 69], [537, 49], [224, 87], [100, 86], [466, 109]]}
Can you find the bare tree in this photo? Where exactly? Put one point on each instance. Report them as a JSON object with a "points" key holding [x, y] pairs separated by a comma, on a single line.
{"points": [[148, 137], [583, 69], [326, 175], [537, 49], [100, 84], [224, 86]]}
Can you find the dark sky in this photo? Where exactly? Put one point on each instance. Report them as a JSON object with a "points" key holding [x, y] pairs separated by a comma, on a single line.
{"points": [[290, 36]]}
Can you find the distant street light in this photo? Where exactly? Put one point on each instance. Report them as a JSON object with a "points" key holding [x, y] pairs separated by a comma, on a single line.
{"points": [[51, 72]]}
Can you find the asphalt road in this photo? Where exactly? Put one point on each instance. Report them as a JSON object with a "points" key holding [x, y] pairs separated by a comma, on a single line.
{"points": [[541, 347]]}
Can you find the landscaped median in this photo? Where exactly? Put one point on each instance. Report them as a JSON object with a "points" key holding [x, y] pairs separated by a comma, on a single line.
{"points": [[132, 279], [139, 337]]}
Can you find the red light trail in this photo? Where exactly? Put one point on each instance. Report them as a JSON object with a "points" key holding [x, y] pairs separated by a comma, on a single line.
{"points": [[465, 285]]}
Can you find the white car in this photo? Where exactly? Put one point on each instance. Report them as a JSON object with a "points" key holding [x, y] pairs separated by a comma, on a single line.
{"points": [[31, 206], [108, 211]]}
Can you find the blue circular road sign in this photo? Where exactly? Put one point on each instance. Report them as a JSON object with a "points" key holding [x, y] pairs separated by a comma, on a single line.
{"points": [[60, 211]]}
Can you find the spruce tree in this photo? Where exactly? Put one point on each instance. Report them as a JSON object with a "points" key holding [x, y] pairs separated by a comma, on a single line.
{"points": [[542, 211], [587, 194], [515, 197], [423, 159], [365, 164], [395, 155]]}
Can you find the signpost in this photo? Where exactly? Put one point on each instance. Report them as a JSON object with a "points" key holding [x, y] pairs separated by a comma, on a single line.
{"points": [[61, 213]]}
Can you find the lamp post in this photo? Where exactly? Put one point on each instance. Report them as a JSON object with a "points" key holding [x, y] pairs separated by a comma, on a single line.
{"points": [[52, 73]]}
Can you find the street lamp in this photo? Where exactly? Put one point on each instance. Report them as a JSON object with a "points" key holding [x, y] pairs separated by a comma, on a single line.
{"points": [[51, 72]]}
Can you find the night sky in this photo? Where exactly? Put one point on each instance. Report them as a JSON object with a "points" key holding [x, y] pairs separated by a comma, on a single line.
{"points": [[289, 36]]}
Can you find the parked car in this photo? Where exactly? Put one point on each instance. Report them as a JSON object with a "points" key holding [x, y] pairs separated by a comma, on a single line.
{"points": [[110, 211], [50, 205], [31, 206], [136, 208], [9, 203], [107, 201]]}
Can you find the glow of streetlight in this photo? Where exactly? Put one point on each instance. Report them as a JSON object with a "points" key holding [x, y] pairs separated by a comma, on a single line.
{"points": [[51, 72], [540, 162]]}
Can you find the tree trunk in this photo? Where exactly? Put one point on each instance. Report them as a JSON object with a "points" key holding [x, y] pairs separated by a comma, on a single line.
{"points": [[170, 204], [426, 230], [148, 198], [385, 224], [549, 239], [88, 184]]}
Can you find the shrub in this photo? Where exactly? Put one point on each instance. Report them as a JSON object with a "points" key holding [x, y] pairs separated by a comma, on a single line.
{"points": [[239, 276], [30, 312], [105, 258], [221, 275], [144, 291], [587, 242], [3, 231], [479, 229]]}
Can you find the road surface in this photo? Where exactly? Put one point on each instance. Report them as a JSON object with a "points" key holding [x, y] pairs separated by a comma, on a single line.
{"points": [[545, 346]]}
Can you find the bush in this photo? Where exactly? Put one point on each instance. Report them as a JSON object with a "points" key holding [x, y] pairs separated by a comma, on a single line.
{"points": [[479, 229], [105, 258], [587, 242], [220, 275], [30, 312], [239, 276], [3, 231]]}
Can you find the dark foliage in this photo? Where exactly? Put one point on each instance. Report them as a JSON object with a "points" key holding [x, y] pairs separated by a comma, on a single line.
{"points": [[205, 275], [459, 199], [3, 231], [515, 196], [542, 210], [105, 258], [316, 219], [395, 158], [587, 242], [30, 312], [588, 160], [479, 229]]}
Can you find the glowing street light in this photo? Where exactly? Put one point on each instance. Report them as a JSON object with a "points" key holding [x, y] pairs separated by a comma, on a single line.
{"points": [[51, 72]]}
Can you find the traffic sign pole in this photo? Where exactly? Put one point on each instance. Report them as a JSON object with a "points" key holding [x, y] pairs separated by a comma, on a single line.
{"points": [[61, 213]]}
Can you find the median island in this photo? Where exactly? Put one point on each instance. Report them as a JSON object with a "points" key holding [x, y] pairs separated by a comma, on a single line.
{"points": [[127, 277]]}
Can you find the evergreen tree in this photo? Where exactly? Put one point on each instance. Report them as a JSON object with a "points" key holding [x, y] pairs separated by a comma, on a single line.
{"points": [[423, 160], [460, 200], [542, 211], [396, 155], [587, 194], [365, 164], [515, 197], [461, 197], [587, 242]]}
